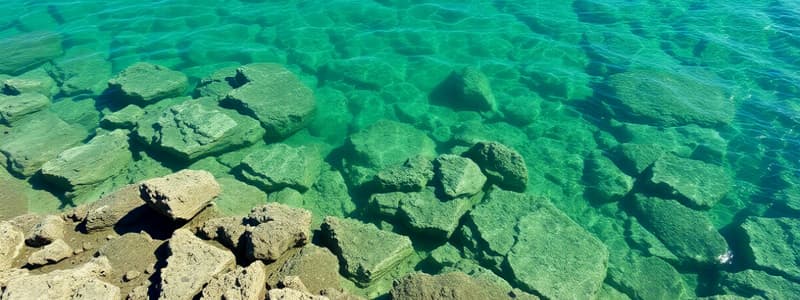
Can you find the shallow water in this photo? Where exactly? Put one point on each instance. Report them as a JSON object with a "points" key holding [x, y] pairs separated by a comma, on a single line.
{"points": [[552, 66]]}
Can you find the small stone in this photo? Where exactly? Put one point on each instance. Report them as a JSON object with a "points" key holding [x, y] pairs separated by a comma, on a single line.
{"points": [[191, 265], [49, 229], [54, 252], [502, 165], [14, 108], [458, 176], [180, 195], [145, 83]]}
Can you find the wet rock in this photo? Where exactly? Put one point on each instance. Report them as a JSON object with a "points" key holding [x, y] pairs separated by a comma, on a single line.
{"points": [[34, 141], [273, 95], [688, 233], [145, 83], [457, 176], [278, 228], [26, 51], [47, 230], [194, 128], [83, 282], [454, 285], [218, 84], [228, 231], [11, 242], [365, 252], [329, 196], [13, 108], [191, 265], [317, 267], [36, 81], [698, 184], [773, 244], [180, 195], [423, 212], [605, 182], [280, 166], [54, 252], [84, 73], [468, 89], [121, 207], [412, 176], [242, 283], [502, 165], [101, 158], [126, 118], [646, 278], [670, 99], [753, 283]]}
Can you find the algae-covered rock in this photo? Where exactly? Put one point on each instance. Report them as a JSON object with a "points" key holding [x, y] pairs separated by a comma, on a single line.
{"points": [[753, 283], [454, 285], [635, 158], [82, 282], [278, 228], [145, 83], [467, 88], [458, 176], [365, 252], [101, 158], [181, 195], [670, 99], [194, 129], [11, 242], [23, 52], [273, 95], [279, 166], [604, 181], [34, 141], [126, 118], [81, 73], [422, 212], [646, 278], [697, 183], [774, 244], [191, 265], [218, 84], [13, 108], [245, 283], [329, 196], [412, 176], [504, 166], [36, 81], [688, 233]]}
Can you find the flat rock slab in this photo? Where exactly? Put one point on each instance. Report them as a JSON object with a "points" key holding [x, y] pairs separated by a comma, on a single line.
{"points": [[458, 176], [11, 242], [412, 176], [13, 108], [316, 266], [275, 96], [23, 52], [191, 265], [604, 181], [126, 118], [697, 183], [47, 230], [468, 89], [365, 252], [83, 282], [280, 166], [504, 166], [248, 283], [144, 83], [646, 278], [37, 139], [101, 158], [423, 212], [453, 286], [180, 195], [760, 284], [117, 208], [774, 244]]}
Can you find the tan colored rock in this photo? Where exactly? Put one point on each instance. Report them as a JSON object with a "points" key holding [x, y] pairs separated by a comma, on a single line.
{"points": [[113, 208], [191, 265], [278, 228], [228, 231], [49, 229], [138, 293], [83, 282], [248, 283], [181, 195], [11, 241], [316, 266], [290, 294], [54, 252]]}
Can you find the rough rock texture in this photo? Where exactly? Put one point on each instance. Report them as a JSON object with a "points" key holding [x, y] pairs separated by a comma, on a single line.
{"points": [[228, 231], [292, 294], [243, 283], [753, 283], [646, 278], [125, 118], [191, 265], [635, 158], [457, 176], [454, 285], [180, 195], [26, 51], [129, 254], [467, 88], [689, 234], [273, 95], [365, 252], [101, 158], [83, 282], [697, 183], [120, 207], [11, 242], [774, 244], [317, 267], [278, 228], [145, 83], [13, 108], [195, 128], [87, 73], [34, 82], [280, 166], [47, 230], [502, 165], [412, 176], [218, 84], [670, 99], [422, 211], [605, 182], [34, 141], [54, 252]]}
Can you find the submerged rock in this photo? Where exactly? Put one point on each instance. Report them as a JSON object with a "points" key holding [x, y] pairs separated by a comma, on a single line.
{"points": [[82, 282], [191, 265], [218, 84], [278, 228], [773, 244], [697, 183], [145, 83], [13, 108], [26, 51], [101, 158], [423, 212], [245, 283], [280, 166], [34, 82], [126, 118], [181, 195], [504, 166], [467, 88], [11, 242], [34, 141], [457, 176], [605, 182], [454, 285], [412, 176], [316, 266], [757, 284], [644, 278]]}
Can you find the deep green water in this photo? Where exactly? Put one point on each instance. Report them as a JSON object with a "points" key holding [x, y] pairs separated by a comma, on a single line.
{"points": [[556, 69]]}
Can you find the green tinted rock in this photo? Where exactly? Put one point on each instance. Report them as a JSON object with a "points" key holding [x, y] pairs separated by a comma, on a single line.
{"points": [[646, 278], [237, 198], [753, 283], [144, 83], [13, 108], [85, 73], [37, 139], [280, 165], [697, 183], [502, 165], [101, 158], [422, 212], [126, 118], [468, 89], [635, 158], [457, 176], [36, 81], [218, 84], [365, 252], [451, 285], [605, 182], [411, 176], [774, 244], [329, 196], [27, 51], [688, 233]]}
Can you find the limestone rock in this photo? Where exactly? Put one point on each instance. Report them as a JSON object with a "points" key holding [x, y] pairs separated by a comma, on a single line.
{"points": [[144, 83], [699, 184], [774, 244], [292, 294], [47, 230], [422, 211], [101, 158], [278, 228], [120, 207], [646, 278], [365, 252], [317, 267], [280, 166], [759, 284], [85, 73], [467, 88], [191, 265], [228, 231], [36, 81], [635, 158], [11, 242], [412, 176], [454, 285], [13, 108], [243, 283], [180, 195], [83, 282], [605, 182], [35, 140], [458, 176], [125, 118], [54, 252], [130, 253], [502, 165], [218, 84], [273, 95], [23, 52]]}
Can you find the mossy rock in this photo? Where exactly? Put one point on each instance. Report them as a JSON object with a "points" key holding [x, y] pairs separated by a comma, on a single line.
{"points": [[696, 183], [144, 83], [773, 244], [279, 166], [14, 108], [101, 158], [37, 139]]}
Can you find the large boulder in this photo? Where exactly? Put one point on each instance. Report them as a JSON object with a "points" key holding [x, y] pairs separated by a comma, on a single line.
{"points": [[273, 95], [34, 141], [604, 181], [277, 228], [316, 266], [280, 166], [453, 286], [82, 282], [467, 88], [644, 278], [195, 128], [11, 242], [773, 244], [422, 212], [245, 283], [759, 284], [458, 176], [181, 195], [26, 51], [101, 158], [192, 263], [696, 183], [504, 166], [667, 98], [13, 108], [145, 83], [121, 207], [365, 252]]}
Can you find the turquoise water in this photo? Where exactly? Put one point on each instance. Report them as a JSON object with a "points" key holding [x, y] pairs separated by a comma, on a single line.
{"points": [[575, 81]]}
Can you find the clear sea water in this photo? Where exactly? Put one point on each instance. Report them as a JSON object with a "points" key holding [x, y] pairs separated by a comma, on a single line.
{"points": [[548, 63]]}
